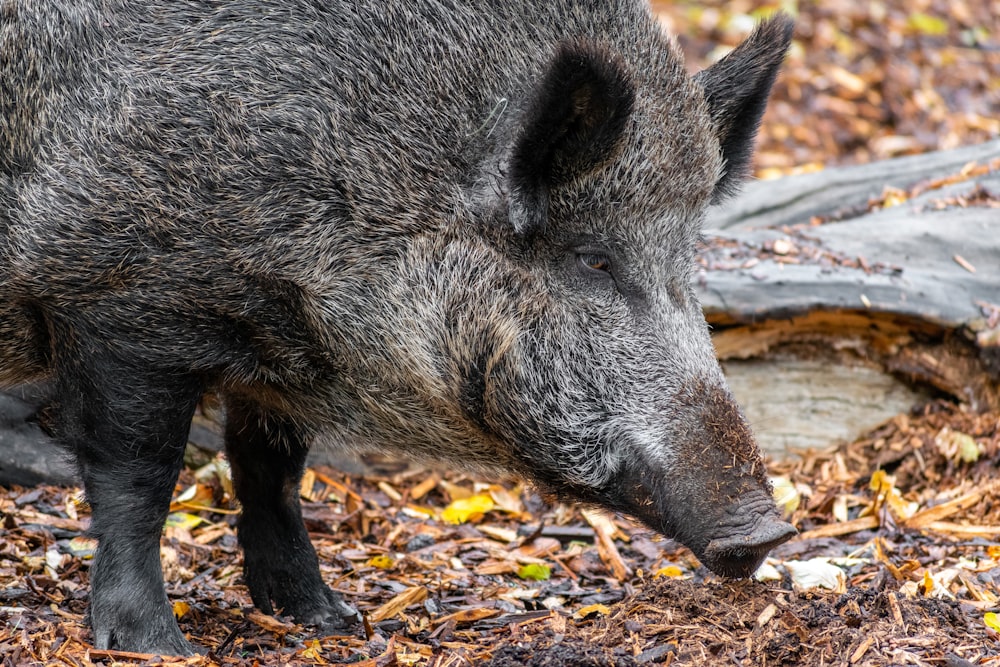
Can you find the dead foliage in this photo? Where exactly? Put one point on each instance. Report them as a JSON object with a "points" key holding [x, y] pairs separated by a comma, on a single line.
{"points": [[863, 81], [897, 562]]}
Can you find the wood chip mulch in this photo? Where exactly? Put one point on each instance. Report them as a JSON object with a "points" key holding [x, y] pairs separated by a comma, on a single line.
{"points": [[897, 562]]}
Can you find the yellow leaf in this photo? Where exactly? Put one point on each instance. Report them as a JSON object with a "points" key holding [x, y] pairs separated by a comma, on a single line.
{"points": [[927, 584], [467, 509], [955, 444], [844, 45], [968, 450], [926, 24], [786, 496], [931, 586], [901, 508], [382, 562], [590, 610], [181, 608], [885, 492], [183, 520], [535, 572], [880, 482], [992, 621], [669, 571], [314, 652]]}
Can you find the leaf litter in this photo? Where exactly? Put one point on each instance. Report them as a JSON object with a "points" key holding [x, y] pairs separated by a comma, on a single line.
{"points": [[897, 562]]}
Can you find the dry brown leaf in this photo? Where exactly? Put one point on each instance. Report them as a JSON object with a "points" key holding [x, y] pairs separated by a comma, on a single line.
{"points": [[410, 596]]}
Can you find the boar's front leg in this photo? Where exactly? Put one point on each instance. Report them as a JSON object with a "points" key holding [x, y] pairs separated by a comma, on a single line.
{"points": [[128, 426], [267, 454]]}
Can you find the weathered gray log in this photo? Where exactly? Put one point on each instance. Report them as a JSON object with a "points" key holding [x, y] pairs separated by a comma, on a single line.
{"points": [[914, 236], [906, 294], [836, 190]]}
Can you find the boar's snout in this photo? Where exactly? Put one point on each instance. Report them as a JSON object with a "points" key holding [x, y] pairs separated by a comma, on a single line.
{"points": [[740, 555], [730, 539], [707, 487]]}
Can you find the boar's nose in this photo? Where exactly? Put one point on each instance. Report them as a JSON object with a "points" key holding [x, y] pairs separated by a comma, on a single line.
{"points": [[740, 555]]}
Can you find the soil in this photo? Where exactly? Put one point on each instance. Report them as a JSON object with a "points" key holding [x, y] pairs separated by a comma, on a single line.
{"points": [[753, 624]]}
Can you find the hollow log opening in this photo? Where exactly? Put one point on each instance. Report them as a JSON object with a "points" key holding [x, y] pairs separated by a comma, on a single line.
{"points": [[821, 377]]}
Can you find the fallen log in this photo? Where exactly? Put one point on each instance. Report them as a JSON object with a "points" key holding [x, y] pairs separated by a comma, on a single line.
{"points": [[839, 298]]}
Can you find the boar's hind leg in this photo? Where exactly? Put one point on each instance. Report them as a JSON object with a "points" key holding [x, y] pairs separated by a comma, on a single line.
{"points": [[267, 454], [128, 427]]}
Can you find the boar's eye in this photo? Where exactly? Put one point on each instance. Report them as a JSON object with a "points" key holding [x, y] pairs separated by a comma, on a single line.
{"points": [[591, 261]]}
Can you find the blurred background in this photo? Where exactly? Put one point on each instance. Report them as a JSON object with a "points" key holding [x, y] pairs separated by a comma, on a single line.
{"points": [[865, 79]]}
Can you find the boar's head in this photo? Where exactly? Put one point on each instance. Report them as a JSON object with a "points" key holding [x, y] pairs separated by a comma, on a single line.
{"points": [[575, 346]]}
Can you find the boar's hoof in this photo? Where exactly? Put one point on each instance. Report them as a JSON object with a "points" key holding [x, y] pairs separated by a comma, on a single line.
{"points": [[335, 614], [141, 630], [740, 555]]}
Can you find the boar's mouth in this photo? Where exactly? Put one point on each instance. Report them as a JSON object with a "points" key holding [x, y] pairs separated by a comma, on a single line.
{"points": [[741, 552], [740, 555], [730, 530]]}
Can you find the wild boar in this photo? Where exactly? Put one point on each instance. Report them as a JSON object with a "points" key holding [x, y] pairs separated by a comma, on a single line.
{"points": [[453, 230]]}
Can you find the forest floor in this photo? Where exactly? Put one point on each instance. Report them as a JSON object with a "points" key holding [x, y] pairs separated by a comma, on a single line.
{"points": [[897, 561]]}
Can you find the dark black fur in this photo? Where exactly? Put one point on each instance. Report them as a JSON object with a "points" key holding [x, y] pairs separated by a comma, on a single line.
{"points": [[737, 88], [128, 426], [572, 125], [267, 455]]}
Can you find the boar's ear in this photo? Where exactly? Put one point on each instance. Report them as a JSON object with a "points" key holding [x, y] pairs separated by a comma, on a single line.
{"points": [[572, 125], [737, 88]]}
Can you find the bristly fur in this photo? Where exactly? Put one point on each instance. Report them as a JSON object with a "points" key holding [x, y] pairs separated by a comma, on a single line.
{"points": [[571, 126], [737, 88], [452, 230]]}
